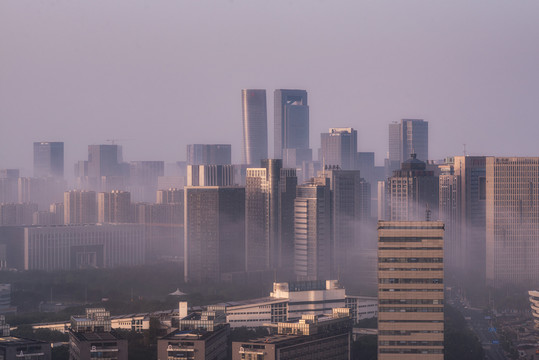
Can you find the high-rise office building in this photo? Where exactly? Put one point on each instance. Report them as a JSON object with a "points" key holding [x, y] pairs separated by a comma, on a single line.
{"points": [[104, 160], [339, 147], [9, 179], [42, 191], [413, 191], [49, 159], [291, 127], [209, 154], [512, 220], [346, 201], [410, 290], [410, 136], [114, 207], [313, 248], [449, 213], [470, 229], [80, 207], [255, 126], [270, 192], [214, 228], [210, 175]]}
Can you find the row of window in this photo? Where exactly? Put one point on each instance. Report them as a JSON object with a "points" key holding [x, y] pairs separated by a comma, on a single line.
{"points": [[411, 309], [411, 281]]}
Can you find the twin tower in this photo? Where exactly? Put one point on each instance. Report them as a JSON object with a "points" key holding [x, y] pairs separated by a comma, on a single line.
{"points": [[291, 127]]}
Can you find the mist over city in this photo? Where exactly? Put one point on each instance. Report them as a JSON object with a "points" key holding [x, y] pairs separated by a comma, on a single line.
{"points": [[269, 180]]}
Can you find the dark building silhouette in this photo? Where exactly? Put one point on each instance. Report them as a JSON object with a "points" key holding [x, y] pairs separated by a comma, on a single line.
{"points": [[49, 159], [255, 126], [209, 154], [214, 232]]}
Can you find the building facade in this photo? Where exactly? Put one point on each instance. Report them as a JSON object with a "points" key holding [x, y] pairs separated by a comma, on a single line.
{"points": [[410, 290], [114, 207], [49, 159], [512, 220], [338, 147], [214, 225], [313, 245], [291, 132], [80, 207]]}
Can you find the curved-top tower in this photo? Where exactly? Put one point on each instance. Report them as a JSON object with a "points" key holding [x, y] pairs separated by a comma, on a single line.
{"points": [[255, 126]]}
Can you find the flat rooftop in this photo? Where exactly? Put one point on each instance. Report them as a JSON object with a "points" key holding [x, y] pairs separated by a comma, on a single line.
{"points": [[16, 341]]}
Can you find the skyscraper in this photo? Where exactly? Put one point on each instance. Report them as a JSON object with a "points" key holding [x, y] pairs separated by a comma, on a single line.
{"points": [[412, 189], [312, 231], [210, 175], [214, 228], [209, 154], [471, 217], [114, 207], [255, 126], [346, 206], [291, 127], [49, 159], [80, 207], [104, 160], [339, 147], [410, 136], [270, 192], [512, 220], [410, 290]]}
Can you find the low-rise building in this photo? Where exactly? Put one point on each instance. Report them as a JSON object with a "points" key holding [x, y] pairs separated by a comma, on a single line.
{"points": [[91, 337], [312, 337], [200, 335], [12, 348]]}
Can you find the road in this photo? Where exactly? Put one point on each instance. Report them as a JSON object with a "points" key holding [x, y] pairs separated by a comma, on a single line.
{"points": [[483, 328]]}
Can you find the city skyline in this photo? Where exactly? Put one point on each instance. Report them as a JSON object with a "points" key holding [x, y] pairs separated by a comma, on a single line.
{"points": [[452, 76]]}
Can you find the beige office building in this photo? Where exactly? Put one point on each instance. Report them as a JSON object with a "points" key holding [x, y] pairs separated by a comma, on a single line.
{"points": [[512, 220], [114, 207], [410, 290]]}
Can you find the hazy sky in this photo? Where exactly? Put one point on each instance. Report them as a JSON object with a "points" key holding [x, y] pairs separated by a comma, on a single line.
{"points": [[159, 74]]}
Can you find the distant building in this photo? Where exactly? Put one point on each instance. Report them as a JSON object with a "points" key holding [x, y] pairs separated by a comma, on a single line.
{"points": [[291, 131], [469, 230], [410, 136], [209, 154], [80, 207], [312, 337], [512, 220], [90, 337], [73, 247], [413, 190], [9, 184], [143, 179], [214, 228], [49, 159], [17, 214], [114, 207], [210, 175], [163, 229], [255, 126], [170, 196], [42, 191], [339, 147], [410, 290], [270, 191], [313, 247]]}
